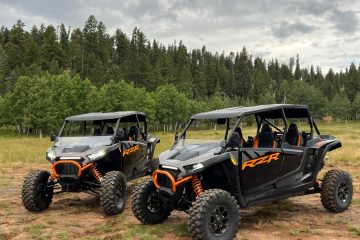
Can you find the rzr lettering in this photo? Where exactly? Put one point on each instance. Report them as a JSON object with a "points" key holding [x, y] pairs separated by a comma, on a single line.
{"points": [[261, 160], [131, 150]]}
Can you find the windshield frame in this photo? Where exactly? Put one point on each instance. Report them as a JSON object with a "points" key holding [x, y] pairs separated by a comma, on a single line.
{"points": [[226, 135], [80, 136]]}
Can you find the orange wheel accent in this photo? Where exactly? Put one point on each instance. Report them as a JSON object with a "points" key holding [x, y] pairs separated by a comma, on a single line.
{"points": [[174, 183], [80, 169], [198, 188]]}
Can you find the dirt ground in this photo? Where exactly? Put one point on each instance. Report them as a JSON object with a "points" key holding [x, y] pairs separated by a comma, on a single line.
{"points": [[78, 216]]}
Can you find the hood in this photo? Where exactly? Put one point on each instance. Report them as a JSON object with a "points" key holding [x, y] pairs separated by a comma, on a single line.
{"points": [[190, 151], [78, 146], [185, 157]]}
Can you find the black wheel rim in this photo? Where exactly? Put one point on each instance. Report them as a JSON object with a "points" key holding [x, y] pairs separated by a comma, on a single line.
{"points": [[119, 193], [154, 202], [219, 220], [343, 192]]}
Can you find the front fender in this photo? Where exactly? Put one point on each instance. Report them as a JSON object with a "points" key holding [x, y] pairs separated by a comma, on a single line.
{"points": [[323, 147]]}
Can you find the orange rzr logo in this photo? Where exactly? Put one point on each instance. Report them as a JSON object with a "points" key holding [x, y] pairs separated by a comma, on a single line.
{"points": [[130, 150], [261, 160]]}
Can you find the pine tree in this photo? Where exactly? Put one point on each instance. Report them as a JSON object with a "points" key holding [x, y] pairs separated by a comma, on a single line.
{"points": [[261, 83], [243, 75], [32, 48], [64, 46], [50, 52], [76, 52], [297, 73], [122, 48], [330, 86], [3, 72], [198, 75], [182, 75], [312, 76], [15, 48], [352, 84]]}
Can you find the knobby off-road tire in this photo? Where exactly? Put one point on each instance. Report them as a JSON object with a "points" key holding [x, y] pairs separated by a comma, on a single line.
{"points": [[146, 204], [336, 190], [214, 215], [36, 193], [113, 192]]}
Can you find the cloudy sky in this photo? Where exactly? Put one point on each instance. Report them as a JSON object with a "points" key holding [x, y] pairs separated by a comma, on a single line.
{"points": [[323, 32]]}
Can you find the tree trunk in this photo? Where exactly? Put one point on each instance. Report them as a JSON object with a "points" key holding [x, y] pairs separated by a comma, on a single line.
{"points": [[18, 127]]}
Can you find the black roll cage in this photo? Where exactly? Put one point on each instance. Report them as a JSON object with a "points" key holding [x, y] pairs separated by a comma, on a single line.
{"points": [[116, 126], [259, 120]]}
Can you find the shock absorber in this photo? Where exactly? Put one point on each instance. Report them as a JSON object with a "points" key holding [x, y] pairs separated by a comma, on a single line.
{"points": [[96, 173], [197, 186]]}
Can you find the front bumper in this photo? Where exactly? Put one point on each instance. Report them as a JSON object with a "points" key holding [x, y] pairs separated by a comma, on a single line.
{"points": [[167, 180], [69, 169]]}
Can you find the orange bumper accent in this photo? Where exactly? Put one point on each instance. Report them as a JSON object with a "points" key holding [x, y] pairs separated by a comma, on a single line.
{"points": [[71, 162], [174, 183]]}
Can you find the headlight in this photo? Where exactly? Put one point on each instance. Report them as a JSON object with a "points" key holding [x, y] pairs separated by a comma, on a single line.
{"points": [[193, 167], [51, 155], [197, 166], [169, 167], [97, 155]]}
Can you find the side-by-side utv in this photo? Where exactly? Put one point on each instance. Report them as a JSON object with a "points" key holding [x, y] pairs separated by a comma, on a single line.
{"points": [[94, 153], [212, 174]]}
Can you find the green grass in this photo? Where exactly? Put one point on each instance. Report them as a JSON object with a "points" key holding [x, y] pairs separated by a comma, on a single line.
{"points": [[144, 232], [356, 201], [354, 230], [35, 230], [27, 218], [62, 235], [294, 232], [336, 220]]}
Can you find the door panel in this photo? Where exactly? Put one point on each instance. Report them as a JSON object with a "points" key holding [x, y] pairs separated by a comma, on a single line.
{"points": [[133, 154], [260, 167], [292, 168]]}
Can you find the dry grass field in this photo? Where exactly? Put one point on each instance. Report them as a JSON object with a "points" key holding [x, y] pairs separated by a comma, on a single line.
{"points": [[78, 215]]}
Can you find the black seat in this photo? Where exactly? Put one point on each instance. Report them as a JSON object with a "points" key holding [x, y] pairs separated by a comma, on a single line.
{"points": [[133, 132], [242, 140], [265, 138], [109, 130], [121, 134], [234, 141], [97, 132], [292, 136]]}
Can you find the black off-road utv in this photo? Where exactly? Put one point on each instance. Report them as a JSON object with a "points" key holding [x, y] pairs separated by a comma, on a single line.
{"points": [[94, 153], [213, 177]]}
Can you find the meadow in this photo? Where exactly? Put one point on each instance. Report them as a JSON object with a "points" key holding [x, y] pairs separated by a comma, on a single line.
{"points": [[295, 218]]}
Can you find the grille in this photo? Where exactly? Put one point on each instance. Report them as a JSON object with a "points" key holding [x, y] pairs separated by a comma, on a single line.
{"points": [[67, 170], [164, 181]]}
